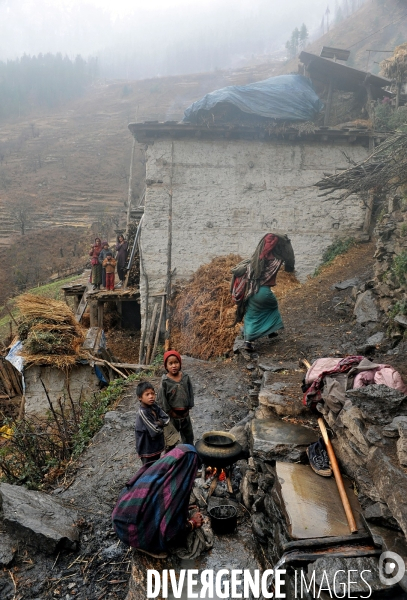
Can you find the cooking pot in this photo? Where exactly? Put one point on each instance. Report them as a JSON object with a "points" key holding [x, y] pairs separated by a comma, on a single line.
{"points": [[223, 518], [218, 449]]}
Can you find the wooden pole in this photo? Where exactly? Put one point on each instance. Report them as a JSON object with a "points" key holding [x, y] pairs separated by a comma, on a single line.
{"points": [[338, 478], [151, 333], [157, 334]]}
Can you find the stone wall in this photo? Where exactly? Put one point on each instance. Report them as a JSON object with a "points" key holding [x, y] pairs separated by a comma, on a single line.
{"points": [[391, 287], [227, 193]]}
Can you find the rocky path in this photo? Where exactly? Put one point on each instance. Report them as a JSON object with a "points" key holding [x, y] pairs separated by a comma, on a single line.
{"points": [[100, 568]]}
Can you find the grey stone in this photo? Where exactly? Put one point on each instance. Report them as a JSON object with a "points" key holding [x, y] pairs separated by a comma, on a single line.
{"points": [[333, 572], [380, 513], [37, 519], [117, 420], [352, 419], [241, 435], [276, 367], [112, 552], [344, 285], [238, 345], [8, 549], [279, 404], [401, 320], [402, 444], [391, 483], [274, 439], [378, 403], [392, 429], [366, 310], [375, 339]]}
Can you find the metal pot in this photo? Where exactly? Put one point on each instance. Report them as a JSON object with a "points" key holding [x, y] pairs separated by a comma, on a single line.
{"points": [[218, 449], [223, 518]]}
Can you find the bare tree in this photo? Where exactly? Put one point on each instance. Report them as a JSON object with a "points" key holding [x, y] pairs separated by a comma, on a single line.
{"points": [[21, 214]]}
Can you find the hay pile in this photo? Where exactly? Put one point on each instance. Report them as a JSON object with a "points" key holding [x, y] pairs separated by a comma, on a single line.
{"points": [[49, 331], [203, 312]]}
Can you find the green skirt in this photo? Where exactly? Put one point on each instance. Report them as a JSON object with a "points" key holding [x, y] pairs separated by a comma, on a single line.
{"points": [[97, 274], [261, 316]]}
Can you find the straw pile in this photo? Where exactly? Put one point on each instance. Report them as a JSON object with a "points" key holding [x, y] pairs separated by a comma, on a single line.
{"points": [[49, 331], [203, 312]]}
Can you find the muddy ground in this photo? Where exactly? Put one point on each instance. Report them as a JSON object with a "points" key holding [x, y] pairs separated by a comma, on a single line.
{"points": [[318, 322], [101, 567]]}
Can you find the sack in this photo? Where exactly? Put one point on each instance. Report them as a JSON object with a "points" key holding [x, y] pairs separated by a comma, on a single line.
{"points": [[239, 288]]}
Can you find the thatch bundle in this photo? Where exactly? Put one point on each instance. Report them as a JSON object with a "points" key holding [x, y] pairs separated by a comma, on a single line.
{"points": [[49, 331], [203, 311]]}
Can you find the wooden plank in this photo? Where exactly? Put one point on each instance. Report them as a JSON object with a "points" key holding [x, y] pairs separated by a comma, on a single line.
{"points": [[157, 334], [6, 381], [91, 337], [14, 376], [83, 303], [151, 333]]}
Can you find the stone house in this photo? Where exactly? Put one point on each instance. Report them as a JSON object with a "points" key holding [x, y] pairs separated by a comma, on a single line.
{"points": [[215, 191]]}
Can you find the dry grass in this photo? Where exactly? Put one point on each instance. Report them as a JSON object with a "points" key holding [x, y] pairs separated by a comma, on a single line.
{"points": [[203, 311], [50, 332]]}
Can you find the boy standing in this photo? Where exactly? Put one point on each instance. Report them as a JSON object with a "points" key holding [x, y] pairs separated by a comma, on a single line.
{"points": [[109, 265], [150, 422], [176, 396]]}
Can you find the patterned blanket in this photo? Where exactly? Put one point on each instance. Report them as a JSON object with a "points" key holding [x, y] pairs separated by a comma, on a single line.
{"points": [[153, 507]]}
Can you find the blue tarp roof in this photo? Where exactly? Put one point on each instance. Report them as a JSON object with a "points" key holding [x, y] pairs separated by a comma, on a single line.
{"points": [[285, 98]]}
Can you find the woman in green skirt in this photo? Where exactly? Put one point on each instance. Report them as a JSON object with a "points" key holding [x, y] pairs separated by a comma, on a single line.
{"points": [[251, 287]]}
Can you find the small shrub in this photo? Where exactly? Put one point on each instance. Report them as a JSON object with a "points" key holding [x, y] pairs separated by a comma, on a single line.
{"points": [[399, 267], [338, 247], [40, 449]]}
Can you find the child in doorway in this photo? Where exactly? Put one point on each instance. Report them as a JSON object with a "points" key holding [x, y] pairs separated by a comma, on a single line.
{"points": [[176, 397], [109, 265], [150, 423]]}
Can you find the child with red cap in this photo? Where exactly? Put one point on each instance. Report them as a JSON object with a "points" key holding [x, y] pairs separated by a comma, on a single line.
{"points": [[176, 397]]}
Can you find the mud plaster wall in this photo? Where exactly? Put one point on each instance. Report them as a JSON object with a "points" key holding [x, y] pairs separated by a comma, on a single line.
{"points": [[82, 383], [227, 194]]}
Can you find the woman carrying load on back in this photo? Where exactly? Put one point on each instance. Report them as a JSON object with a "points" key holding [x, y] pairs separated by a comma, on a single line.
{"points": [[252, 280]]}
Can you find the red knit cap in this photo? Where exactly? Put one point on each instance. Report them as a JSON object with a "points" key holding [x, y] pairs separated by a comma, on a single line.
{"points": [[172, 353]]}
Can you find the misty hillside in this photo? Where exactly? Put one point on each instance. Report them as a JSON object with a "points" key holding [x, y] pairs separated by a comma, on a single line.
{"points": [[377, 25]]}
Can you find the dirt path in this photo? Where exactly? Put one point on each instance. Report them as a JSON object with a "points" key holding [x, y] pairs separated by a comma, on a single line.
{"points": [[101, 568]]}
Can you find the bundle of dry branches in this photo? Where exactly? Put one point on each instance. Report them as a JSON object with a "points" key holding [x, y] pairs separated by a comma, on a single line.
{"points": [[49, 330], [384, 170], [204, 312]]}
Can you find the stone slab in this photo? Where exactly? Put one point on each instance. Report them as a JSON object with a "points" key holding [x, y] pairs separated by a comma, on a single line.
{"points": [[312, 504], [37, 519], [274, 439]]}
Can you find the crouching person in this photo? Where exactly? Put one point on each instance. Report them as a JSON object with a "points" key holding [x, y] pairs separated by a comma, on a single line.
{"points": [[150, 423]]}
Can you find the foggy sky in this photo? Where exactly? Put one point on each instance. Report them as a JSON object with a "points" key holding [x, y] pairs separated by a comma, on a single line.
{"points": [[117, 30]]}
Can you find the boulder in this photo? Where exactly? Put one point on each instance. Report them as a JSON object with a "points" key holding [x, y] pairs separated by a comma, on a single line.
{"points": [[38, 520], [379, 513], [366, 310], [378, 403]]}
